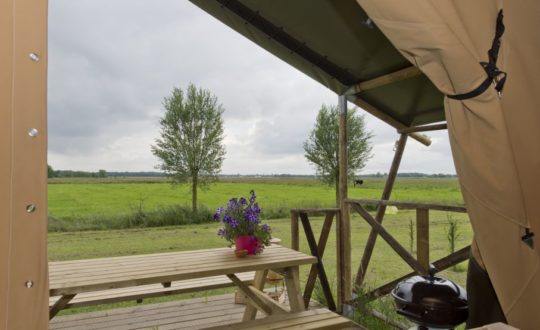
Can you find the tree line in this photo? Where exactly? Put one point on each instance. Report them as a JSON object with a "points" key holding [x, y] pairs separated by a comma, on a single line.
{"points": [[52, 173]]}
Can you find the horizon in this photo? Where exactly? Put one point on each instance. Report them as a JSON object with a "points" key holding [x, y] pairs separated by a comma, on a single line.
{"points": [[115, 173]]}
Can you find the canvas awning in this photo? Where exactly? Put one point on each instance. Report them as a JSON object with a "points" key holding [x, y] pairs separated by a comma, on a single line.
{"points": [[495, 141], [334, 43]]}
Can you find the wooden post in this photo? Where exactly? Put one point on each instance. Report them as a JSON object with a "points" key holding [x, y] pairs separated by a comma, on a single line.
{"points": [[344, 271], [422, 237], [295, 234], [24, 284], [389, 185]]}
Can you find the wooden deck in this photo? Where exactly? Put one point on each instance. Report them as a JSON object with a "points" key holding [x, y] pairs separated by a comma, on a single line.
{"points": [[183, 314]]}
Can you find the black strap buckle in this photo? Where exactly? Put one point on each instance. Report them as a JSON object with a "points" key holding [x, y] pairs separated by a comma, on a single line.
{"points": [[528, 238], [494, 75]]}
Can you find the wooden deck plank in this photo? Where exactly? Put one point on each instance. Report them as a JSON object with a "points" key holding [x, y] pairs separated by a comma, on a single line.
{"points": [[131, 316], [312, 319], [216, 311]]}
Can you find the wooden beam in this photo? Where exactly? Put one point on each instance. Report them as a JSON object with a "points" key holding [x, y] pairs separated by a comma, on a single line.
{"points": [[384, 80], [424, 128], [313, 211], [295, 234], [388, 186], [60, 304], [315, 251], [422, 237], [400, 250], [440, 265], [321, 246], [344, 272], [257, 301], [276, 307], [258, 282], [294, 292], [410, 205], [424, 139]]}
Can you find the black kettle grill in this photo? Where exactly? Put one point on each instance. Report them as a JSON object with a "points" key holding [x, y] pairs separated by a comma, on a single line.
{"points": [[431, 302]]}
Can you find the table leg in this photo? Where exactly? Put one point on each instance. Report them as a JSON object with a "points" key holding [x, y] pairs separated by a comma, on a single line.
{"points": [[292, 282], [60, 304], [258, 282]]}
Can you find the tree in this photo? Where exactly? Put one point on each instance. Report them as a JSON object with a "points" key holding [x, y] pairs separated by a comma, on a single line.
{"points": [[51, 173], [322, 149], [102, 174], [191, 148]]}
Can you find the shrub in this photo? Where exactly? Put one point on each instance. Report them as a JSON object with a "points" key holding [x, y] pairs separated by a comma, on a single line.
{"points": [[138, 218]]}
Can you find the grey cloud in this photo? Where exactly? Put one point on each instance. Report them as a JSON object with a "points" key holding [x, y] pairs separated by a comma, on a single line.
{"points": [[111, 63]]}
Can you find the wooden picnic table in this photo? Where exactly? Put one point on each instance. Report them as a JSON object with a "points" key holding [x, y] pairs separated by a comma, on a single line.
{"points": [[69, 278]]}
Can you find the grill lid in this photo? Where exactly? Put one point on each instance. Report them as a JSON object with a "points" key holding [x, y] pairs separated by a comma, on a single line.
{"points": [[431, 301], [431, 292]]}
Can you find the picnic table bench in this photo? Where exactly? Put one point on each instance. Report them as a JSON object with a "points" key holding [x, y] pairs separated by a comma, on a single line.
{"points": [[93, 281], [138, 293]]}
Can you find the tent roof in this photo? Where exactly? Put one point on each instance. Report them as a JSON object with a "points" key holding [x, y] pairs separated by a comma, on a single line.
{"points": [[333, 43]]}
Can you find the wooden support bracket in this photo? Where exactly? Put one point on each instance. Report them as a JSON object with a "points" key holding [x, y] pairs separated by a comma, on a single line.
{"points": [[318, 267], [60, 304], [400, 250]]}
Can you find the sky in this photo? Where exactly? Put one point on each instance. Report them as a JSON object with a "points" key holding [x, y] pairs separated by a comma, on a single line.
{"points": [[111, 63]]}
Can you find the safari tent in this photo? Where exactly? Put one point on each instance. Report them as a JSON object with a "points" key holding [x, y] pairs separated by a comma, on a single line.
{"points": [[468, 66]]}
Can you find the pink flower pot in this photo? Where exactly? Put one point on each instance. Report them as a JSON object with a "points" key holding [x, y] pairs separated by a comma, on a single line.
{"points": [[248, 243]]}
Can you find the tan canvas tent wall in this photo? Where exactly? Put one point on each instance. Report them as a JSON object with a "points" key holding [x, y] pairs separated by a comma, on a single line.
{"points": [[23, 174], [495, 141]]}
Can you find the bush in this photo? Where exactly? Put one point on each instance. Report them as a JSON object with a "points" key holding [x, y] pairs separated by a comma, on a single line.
{"points": [[170, 215], [138, 218]]}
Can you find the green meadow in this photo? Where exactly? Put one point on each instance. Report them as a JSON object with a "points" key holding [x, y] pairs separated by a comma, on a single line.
{"points": [[385, 264], [79, 201], [74, 199]]}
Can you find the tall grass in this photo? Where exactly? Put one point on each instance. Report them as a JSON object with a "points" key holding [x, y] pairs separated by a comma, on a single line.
{"points": [[138, 218], [168, 215], [110, 203]]}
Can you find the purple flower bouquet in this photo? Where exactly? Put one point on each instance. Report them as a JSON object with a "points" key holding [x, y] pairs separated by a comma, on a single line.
{"points": [[242, 226]]}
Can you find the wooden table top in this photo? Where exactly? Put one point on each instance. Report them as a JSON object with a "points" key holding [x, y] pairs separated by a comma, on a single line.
{"points": [[71, 277]]}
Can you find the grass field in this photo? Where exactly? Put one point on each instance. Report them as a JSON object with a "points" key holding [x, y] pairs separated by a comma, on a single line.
{"points": [[72, 199], [385, 264]]}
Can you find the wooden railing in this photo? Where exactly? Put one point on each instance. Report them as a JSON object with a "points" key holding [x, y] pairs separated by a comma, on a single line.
{"points": [[421, 264], [317, 249]]}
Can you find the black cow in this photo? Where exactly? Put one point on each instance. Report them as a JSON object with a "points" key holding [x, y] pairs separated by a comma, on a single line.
{"points": [[358, 182]]}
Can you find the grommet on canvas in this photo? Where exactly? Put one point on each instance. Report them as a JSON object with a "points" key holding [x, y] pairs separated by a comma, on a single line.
{"points": [[33, 132], [34, 57], [29, 284], [30, 208]]}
